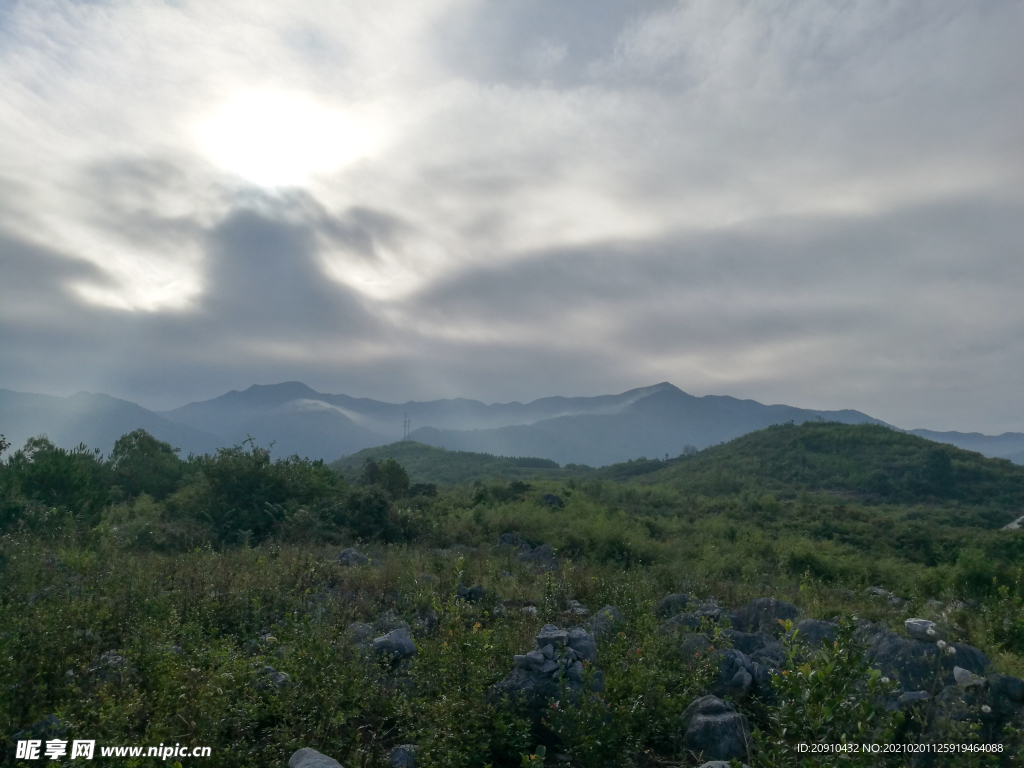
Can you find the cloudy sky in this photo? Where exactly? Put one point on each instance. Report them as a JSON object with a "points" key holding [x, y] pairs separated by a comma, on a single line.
{"points": [[815, 203]]}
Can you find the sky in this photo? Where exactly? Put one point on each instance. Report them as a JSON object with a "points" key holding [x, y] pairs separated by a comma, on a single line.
{"points": [[818, 204]]}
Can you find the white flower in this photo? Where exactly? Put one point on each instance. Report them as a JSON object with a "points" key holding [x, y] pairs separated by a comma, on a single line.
{"points": [[986, 708], [885, 680], [942, 644], [951, 650], [931, 631]]}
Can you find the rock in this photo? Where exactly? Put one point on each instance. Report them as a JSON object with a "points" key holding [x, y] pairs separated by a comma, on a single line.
{"points": [[814, 632], [917, 664], [922, 629], [403, 756], [715, 730], [909, 699], [878, 592], [310, 758], [1006, 687], [514, 541], [550, 500], [112, 660], [759, 646], [582, 643], [389, 622], [736, 675], [672, 604], [684, 622], [605, 621], [542, 558], [576, 608], [471, 594], [352, 557], [965, 678], [279, 679], [425, 622], [528, 610], [763, 614], [50, 727], [552, 635], [718, 764], [396, 645]]}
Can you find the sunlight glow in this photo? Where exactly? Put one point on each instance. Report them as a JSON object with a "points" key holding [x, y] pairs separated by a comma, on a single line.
{"points": [[276, 139]]}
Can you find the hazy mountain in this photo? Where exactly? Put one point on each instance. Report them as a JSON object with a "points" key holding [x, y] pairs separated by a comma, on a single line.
{"points": [[663, 421], [1009, 445], [96, 420]]}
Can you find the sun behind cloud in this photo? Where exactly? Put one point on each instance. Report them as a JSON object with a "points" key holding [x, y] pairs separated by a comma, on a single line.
{"points": [[278, 138]]}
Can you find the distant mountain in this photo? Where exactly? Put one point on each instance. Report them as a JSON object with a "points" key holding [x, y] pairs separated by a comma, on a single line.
{"points": [[663, 421], [96, 420], [1009, 445]]}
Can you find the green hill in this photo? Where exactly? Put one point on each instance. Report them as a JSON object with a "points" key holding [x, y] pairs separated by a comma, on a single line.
{"points": [[427, 464], [870, 462]]}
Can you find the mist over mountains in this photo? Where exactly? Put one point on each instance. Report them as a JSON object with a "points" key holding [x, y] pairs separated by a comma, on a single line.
{"points": [[649, 421]]}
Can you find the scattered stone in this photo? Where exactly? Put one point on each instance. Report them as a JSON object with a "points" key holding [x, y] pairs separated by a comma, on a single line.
{"points": [[514, 541], [552, 635], [403, 756], [764, 614], [965, 678], [922, 629], [582, 643], [814, 632], [673, 604], [395, 646], [310, 758], [470, 594], [279, 679], [551, 500], [739, 677], [605, 621], [759, 646], [715, 730], [909, 699], [352, 557], [542, 557], [529, 610], [360, 633], [576, 608]]}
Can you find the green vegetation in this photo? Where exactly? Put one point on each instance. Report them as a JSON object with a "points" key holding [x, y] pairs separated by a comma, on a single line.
{"points": [[199, 573]]}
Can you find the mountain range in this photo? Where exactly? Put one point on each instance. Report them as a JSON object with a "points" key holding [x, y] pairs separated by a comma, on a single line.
{"points": [[650, 421]]}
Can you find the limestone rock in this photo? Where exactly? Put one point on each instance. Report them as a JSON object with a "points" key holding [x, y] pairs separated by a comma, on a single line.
{"points": [[310, 758]]}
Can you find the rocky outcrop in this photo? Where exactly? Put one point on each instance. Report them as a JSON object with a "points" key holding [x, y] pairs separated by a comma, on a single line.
{"points": [[560, 659], [919, 664], [403, 756], [606, 621], [394, 647], [763, 614], [352, 557]]}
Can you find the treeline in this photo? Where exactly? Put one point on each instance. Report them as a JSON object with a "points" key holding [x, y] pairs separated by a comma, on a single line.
{"points": [[145, 493]]}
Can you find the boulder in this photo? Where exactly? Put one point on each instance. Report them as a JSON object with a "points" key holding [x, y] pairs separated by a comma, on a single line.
{"points": [[551, 500], [542, 557], [403, 756], [576, 608], [715, 730], [605, 621], [759, 646], [763, 614], [278, 679], [673, 604], [814, 632], [310, 758], [582, 643], [918, 664], [352, 557], [739, 677], [396, 645], [909, 699], [922, 629]]}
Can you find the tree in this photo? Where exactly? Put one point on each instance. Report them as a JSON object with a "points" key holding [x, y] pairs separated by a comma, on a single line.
{"points": [[142, 464]]}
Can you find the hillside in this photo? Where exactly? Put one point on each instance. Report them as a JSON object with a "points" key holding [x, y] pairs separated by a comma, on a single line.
{"points": [[871, 462], [1009, 445], [663, 422], [427, 464]]}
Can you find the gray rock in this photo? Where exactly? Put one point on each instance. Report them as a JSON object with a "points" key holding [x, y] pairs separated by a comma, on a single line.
{"points": [[279, 679], [673, 604], [918, 665], [552, 635], [360, 634], [310, 758], [403, 756], [1006, 687], [112, 660], [965, 678], [922, 629], [605, 621], [814, 632], [759, 646], [764, 614], [389, 622], [352, 557], [396, 645], [909, 699], [542, 558], [551, 500], [715, 730], [514, 541], [576, 608], [582, 643]]}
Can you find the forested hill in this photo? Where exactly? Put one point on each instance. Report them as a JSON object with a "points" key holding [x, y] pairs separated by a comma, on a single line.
{"points": [[872, 462], [427, 464]]}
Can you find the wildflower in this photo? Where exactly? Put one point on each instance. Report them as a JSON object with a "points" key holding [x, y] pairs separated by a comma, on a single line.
{"points": [[986, 708], [942, 644], [476, 626], [885, 680], [951, 650], [931, 631]]}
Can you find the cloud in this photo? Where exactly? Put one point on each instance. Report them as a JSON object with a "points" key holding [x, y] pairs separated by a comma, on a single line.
{"points": [[794, 201]]}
